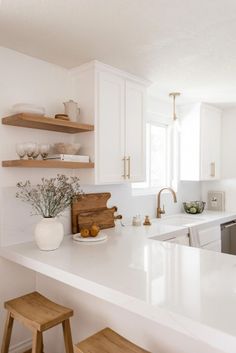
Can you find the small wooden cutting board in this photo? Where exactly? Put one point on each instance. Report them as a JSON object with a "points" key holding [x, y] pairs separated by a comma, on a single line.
{"points": [[92, 208], [104, 218]]}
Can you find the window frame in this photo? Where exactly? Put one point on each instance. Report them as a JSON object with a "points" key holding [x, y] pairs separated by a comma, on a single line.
{"points": [[148, 189]]}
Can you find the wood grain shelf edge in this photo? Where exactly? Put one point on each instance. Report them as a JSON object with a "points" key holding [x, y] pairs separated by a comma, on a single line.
{"points": [[46, 164], [44, 123]]}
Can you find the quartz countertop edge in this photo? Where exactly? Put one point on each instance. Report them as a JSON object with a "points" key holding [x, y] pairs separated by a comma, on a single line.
{"points": [[175, 321], [154, 279]]}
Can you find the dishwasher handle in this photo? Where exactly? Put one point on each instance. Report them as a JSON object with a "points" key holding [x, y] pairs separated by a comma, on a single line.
{"points": [[228, 225]]}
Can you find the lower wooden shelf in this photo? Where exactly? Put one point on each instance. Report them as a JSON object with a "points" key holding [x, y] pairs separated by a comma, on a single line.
{"points": [[25, 163]]}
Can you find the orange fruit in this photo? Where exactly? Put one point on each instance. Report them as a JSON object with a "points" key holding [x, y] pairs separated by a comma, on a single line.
{"points": [[84, 232], [94, 230]]}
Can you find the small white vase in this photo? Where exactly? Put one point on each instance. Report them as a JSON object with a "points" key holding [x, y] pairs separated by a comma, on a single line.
{"points": [[72, 110], [49, 233]]}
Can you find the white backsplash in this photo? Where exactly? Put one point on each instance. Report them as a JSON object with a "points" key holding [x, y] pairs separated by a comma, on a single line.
{"points": [[26, 79], [49, 85], [228, 186], [17, 225]]}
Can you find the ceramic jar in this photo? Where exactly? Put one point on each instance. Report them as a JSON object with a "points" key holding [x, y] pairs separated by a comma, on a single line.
{"points": [[72, 110], [49, 233]]}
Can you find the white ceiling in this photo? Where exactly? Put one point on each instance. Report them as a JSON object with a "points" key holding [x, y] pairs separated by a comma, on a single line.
{"points": [[185, 45]]}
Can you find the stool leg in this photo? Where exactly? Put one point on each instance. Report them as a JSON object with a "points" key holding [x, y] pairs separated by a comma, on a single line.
{"points": [[37, 342], [7, 333], [67, 336], [42, 344]]}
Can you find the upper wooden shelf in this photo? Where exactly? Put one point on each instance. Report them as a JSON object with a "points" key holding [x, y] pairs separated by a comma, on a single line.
{"points": [[40, 122], [38, 163]]}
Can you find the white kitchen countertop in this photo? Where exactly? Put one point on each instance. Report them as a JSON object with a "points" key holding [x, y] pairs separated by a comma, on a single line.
{"points": [[188, 289]]}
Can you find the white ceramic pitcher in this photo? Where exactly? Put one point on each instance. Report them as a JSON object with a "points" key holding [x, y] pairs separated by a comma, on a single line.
{"points": [[72, 110]]}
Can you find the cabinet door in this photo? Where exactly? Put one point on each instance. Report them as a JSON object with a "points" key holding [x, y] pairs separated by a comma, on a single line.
{"points": [[210, 142], [135, 136], [215, 246], [190, 142], [200, 142], [181, 240], [110, 128]]}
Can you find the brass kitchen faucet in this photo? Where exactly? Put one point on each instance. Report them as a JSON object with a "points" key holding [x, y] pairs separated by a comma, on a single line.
{"points": [[161, 211]]}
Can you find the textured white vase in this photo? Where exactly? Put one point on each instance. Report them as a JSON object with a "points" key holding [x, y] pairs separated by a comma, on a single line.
{"points": [[49, 234]]}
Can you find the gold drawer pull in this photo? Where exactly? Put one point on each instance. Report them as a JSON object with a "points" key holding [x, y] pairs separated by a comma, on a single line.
{"points": [[124, 175], [213, 170], [128, 159]]}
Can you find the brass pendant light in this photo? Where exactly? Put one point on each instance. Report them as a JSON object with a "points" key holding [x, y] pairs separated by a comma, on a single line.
{"points": [[174, 95]]}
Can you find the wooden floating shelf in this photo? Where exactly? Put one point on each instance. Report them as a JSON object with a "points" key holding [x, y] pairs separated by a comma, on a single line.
{"points": [[34, 121], [25, 163]]}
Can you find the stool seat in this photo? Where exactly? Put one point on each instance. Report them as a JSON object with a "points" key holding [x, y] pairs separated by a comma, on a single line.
{"points": [[34, 310], [107, 341], [39, 314]]}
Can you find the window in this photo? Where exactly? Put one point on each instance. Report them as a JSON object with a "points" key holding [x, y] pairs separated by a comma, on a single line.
{"points": [[156, 157]]}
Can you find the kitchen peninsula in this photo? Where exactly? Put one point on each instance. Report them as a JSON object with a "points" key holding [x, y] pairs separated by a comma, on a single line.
{"points": [[135, 101], [185, 289]]}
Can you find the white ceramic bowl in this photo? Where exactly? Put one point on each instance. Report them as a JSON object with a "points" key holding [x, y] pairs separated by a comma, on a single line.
{"points": [[28, 108]]}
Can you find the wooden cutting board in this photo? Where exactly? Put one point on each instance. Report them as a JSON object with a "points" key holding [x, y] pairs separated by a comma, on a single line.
{"points": [[92, 208], [103, 218]]}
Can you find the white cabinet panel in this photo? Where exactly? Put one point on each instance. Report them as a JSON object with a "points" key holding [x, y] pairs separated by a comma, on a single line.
{"points": [[181, 240], [200, 153], [214, 246], [209, 235], [114, 101], [120, 130], [135, 131], [110, 128], [210, 142], [190, 142]]}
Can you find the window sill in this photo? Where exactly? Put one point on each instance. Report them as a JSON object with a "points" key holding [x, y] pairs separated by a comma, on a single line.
{"points": [[145, 191], [151, 191]]}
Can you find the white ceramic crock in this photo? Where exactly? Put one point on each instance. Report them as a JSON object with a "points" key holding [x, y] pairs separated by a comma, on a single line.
{"points": [[49, 233], [72, 110]]}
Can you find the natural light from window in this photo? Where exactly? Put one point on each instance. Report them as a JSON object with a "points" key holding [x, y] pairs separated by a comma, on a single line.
{"points": [[156, 157]]}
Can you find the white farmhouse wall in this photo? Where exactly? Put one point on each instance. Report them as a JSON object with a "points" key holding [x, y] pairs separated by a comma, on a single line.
{"points": [[26, 79]]}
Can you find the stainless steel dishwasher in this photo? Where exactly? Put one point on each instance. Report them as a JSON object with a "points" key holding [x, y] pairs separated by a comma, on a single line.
{"points": [[228, 237]]}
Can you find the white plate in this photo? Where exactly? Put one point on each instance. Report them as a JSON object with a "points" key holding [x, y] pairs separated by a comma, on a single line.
{"points": [[28, 108], [100, 237]]}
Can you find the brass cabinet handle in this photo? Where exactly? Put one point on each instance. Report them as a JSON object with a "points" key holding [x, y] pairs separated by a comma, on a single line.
{"points": [[128, 160], [124, 175], [213, 169]]}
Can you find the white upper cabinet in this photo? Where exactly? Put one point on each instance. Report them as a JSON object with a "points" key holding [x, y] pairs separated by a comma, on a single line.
{"points": [[135, 107], [210, 143], [117, 102], [110, 128], [200, 154]]}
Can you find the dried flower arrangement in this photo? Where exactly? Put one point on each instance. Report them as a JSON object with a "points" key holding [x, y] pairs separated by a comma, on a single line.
{"points": [[52, 196]]}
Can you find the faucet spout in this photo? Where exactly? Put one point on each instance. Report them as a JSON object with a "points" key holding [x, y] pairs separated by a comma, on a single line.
{"points": [[161, 211]]}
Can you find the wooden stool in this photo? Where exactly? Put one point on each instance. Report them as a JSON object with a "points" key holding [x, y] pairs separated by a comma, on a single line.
{"points": [[38, 314], [107, 341]]}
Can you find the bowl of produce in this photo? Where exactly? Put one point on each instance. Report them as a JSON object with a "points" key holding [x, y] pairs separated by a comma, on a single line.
{"points": [[194, 207]]}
